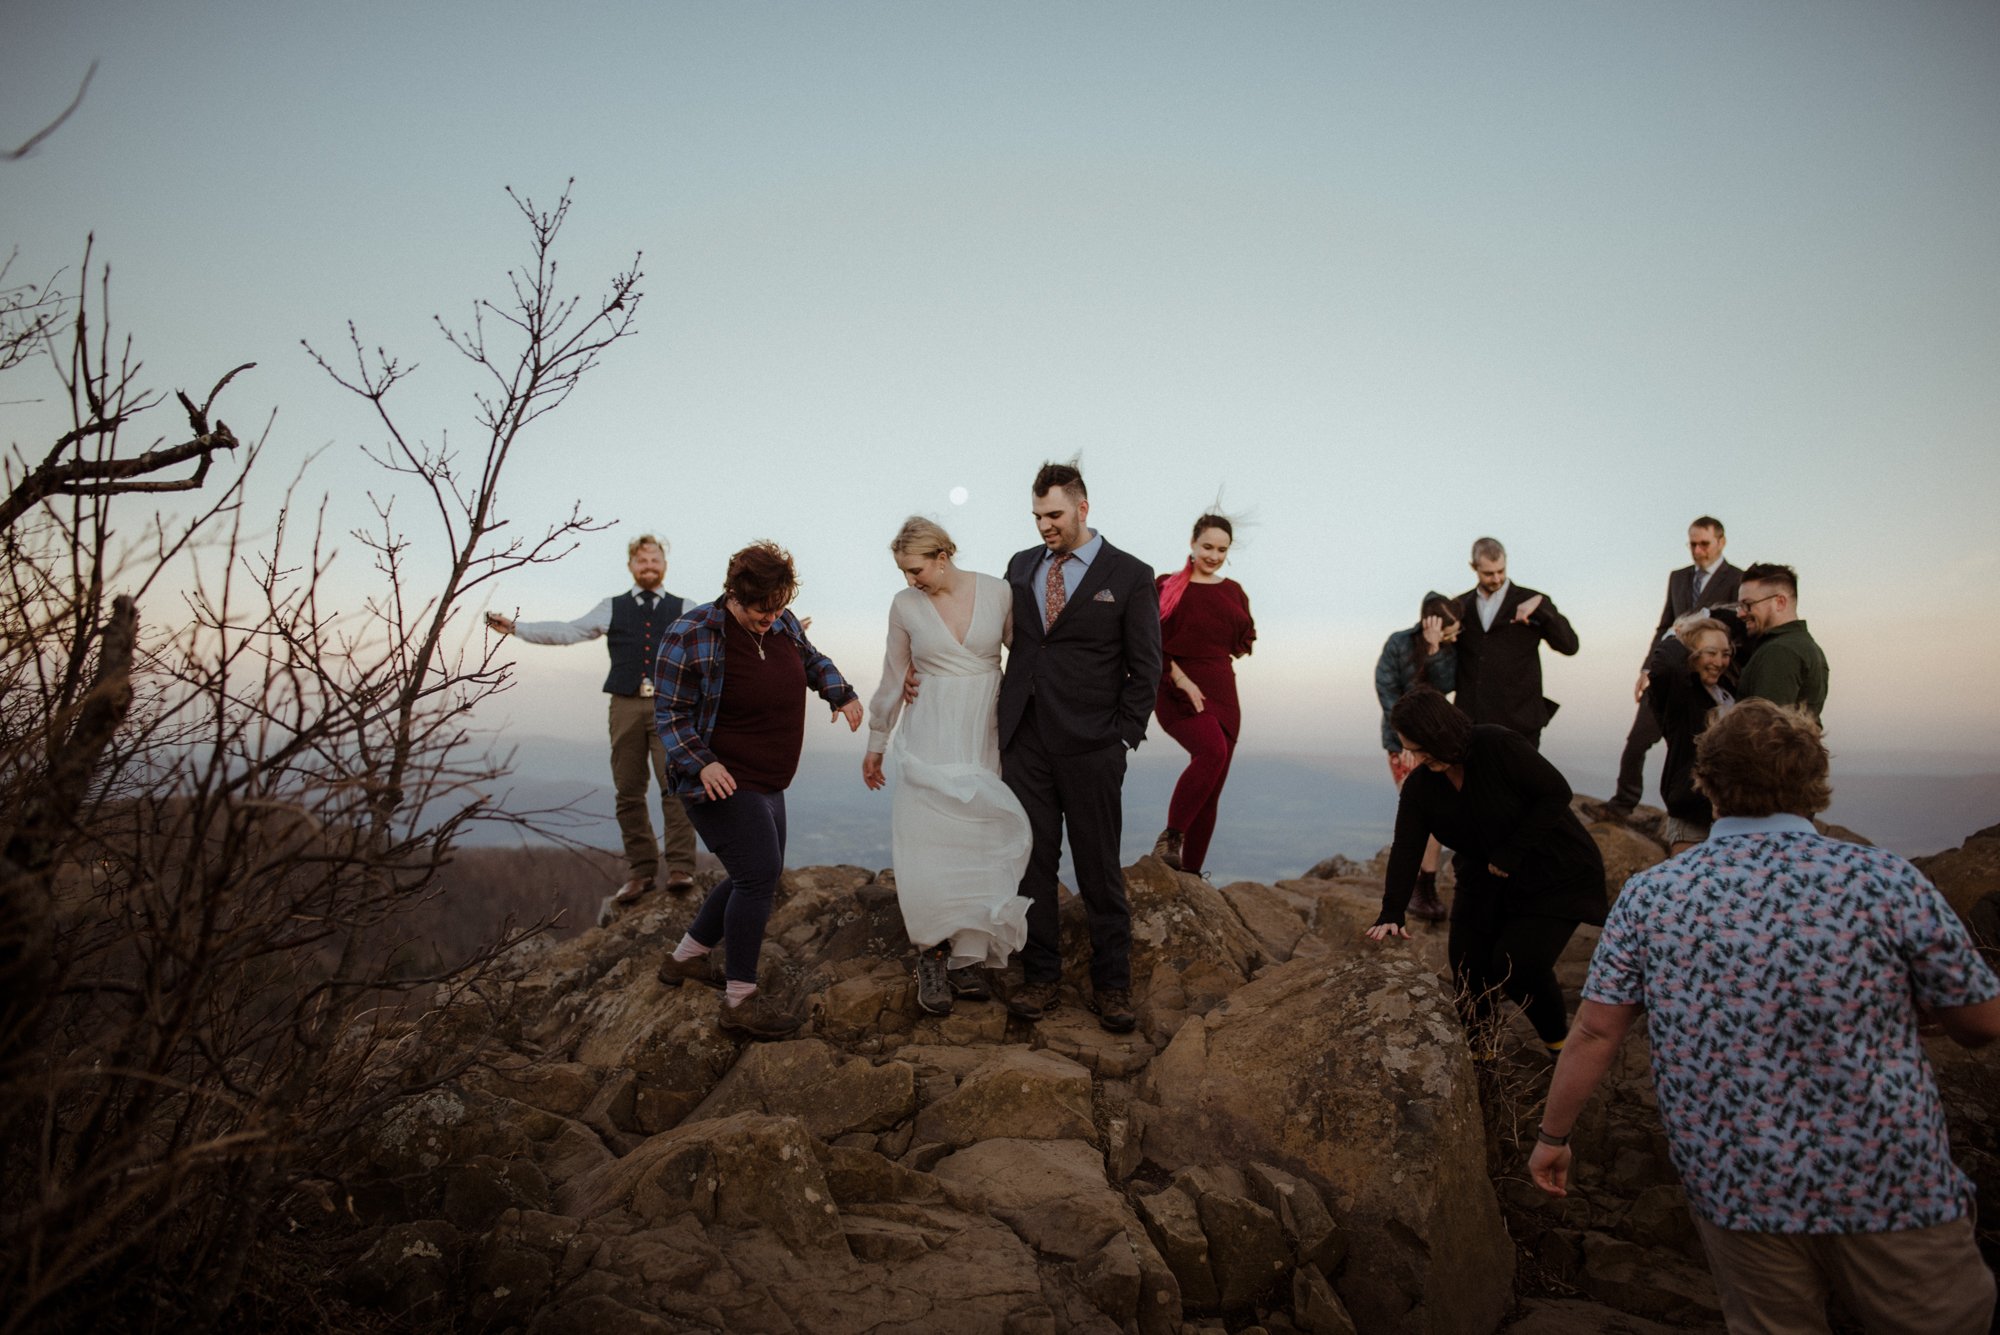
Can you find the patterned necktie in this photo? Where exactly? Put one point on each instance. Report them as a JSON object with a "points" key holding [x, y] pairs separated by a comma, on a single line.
{"points": [[1700, 582], [1054, 595]]}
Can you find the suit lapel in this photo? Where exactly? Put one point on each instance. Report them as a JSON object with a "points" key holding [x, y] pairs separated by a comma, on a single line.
{"points": [[1095, 576], [1027, 601]]}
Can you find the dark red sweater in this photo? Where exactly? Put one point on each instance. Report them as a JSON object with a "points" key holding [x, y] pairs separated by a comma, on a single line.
{"points": [[762, 721]]}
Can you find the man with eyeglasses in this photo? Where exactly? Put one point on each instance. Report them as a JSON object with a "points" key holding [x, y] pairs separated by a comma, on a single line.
{"points": [[1787, 666], [1709, 582]]}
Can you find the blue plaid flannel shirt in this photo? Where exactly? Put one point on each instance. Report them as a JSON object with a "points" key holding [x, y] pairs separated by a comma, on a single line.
{"points": [[687, 688]]}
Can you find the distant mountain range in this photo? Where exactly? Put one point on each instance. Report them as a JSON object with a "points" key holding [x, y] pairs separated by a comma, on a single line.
{"points": [[1280, 815]]}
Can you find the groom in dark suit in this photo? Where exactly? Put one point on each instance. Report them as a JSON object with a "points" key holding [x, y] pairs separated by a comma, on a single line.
{"points": [[1710, 582], [1502, 627], [1080, 680]]}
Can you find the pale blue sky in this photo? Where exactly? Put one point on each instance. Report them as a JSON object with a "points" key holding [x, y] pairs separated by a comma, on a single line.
{"points": [[1397, 275]]}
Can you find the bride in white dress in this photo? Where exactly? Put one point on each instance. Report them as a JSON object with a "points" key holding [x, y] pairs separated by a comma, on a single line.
{"points": [[960, 839]]}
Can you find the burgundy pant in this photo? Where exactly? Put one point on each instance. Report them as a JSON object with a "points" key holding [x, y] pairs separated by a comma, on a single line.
{"points": [[1192, 810]]}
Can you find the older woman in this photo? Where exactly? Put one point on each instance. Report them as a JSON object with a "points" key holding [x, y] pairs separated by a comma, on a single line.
{"points": [[1528, 872], [959, 835], [730, 686], [1684, 691], [1425, 654], [1204, 625]]}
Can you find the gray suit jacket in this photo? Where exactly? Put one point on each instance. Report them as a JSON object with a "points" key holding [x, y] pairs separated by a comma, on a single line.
{"points": [[1722, 587]]}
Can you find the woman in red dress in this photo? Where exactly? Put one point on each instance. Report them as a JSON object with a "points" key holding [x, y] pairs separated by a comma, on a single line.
{"points": [[1204, 624]]}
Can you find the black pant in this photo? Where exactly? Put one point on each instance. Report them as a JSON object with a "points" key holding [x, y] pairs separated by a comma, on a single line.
{"points": [[1087, 790], [1515, 954], [1632, 762]]}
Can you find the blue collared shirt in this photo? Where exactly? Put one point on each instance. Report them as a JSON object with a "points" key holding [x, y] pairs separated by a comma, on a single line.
{"points": [[1075, 565], [1780, 823]]}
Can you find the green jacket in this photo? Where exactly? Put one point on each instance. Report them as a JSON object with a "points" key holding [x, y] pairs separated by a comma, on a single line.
{"points": [[1786, 667]]}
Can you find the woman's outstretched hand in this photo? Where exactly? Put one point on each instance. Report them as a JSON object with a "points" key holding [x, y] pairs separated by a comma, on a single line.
{"points": [[1382, 931], [871, 770]]}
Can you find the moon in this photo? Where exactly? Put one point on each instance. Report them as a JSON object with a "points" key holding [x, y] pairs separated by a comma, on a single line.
{"points": [[959, 495]]}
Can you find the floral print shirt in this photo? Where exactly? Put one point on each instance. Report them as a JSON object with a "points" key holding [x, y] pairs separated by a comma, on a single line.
{"points": [[1777, 967]]}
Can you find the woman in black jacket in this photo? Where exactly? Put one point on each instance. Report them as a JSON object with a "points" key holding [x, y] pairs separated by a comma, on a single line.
{"points": [[1527, 870], [1684, 688]]}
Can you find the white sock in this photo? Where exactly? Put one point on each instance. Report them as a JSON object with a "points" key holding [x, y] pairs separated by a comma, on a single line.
{"points": [[690, 949], [738, 993]]}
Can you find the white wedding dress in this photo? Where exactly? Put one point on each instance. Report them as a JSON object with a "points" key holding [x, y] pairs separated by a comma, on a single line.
{"points": [[959, 837]]}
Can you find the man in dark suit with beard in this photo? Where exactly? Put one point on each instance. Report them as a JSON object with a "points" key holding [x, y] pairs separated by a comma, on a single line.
{"points": [[1502, 627], [1710, 582], [1081, 676]]}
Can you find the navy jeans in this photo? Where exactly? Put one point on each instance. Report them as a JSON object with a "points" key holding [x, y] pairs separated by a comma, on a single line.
{"points": [[746, 832]]}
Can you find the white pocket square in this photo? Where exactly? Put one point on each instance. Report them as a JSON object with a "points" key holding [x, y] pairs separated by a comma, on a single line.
{"points": [[1104, 596]]}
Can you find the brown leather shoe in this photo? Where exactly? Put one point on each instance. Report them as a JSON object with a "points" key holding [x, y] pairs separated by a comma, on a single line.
{"points": [[633, 890], [703, 969], [679, 882], [1032, 1001], [757, 1017], [1114, 1009]]}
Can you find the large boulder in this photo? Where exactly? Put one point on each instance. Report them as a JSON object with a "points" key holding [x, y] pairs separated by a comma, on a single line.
{"points": [[1353, 1074], [1018, 1093], [1967, 875], [1190, 949], [807, 1080]]}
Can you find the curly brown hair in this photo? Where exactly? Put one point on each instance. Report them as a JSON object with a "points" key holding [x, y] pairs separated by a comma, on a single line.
{"points": [[1761, 759], [761, 577]]}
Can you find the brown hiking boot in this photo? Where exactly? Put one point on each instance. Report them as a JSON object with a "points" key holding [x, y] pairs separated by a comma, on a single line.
{"points": [[703, 969], [1032, 1001], [1114, 1009], [757, 1017]]}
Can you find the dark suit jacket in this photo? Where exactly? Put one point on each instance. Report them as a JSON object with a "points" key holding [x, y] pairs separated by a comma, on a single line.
{"points": [[1500, 671], [1093, 673], [1722, 587]]}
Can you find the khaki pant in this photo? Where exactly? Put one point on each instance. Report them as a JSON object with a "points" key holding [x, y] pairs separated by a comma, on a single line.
{"points": [[635, 744], [1919, 1281]]}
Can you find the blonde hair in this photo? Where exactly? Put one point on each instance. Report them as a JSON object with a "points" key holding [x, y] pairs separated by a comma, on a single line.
{"points": [[922, 537], [1691, 631], [645, 540]]}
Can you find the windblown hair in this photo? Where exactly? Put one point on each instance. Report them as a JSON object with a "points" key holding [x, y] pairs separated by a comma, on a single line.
{"points": [[1710, 522], [1768, 572], [1488, 549], [1434, 605], [1209, 521], [761, 577], [922, 537], [645, 540], [1433, 724], [1067, 476], [1759, 759], [1691, 631]]}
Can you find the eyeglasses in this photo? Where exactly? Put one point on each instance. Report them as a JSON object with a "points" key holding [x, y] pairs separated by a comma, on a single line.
{"points": [[1748, 603]]}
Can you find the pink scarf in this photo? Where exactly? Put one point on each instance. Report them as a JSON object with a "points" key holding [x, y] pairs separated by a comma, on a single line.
{"points": [[1176, 585]]}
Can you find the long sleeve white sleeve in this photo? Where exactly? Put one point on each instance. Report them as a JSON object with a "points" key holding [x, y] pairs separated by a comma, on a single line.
{"points": [[589, 626], [887, 705]]}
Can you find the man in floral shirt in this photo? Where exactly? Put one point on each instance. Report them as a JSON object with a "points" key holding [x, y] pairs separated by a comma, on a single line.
{"points": [[1784, 975]]}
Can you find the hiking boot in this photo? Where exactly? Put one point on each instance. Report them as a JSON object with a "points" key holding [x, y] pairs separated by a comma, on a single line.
{"points": [[1113, 1006], [757, 1017], [703, 969], [933, 991], [1424, 902], [1167, 848], [679, 882], [969, 983], [633, 890], [1032, 1001]]}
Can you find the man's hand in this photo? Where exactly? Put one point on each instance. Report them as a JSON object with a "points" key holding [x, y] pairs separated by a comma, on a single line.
{"points": [[851, 711], [1382, 931], [871, 770], [1528, 608], [1549, 1167], [503, 624], [1496, 871], [717, 781], [910, 686], [1639, 691]]}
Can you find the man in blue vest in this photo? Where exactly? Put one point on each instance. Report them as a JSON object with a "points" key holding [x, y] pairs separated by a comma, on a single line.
{"points": [[632, 624]]}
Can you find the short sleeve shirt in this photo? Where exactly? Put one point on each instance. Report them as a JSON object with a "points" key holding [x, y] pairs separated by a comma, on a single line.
{"points": [[1777, 968]]}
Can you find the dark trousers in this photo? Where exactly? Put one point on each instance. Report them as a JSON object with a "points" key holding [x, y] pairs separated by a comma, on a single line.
{"points": [[1492, 950], [636, 748], [747, 832], [1632, 762], [1087, 791], [1199, 792]]}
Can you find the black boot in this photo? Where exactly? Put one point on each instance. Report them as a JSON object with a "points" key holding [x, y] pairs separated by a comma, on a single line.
{"points": [[1424, 903]]}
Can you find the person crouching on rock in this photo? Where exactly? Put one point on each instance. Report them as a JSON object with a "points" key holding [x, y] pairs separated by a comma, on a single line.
{"points": [[1424, 655], [1786, 977], [730, 685], [1527, 870]]}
